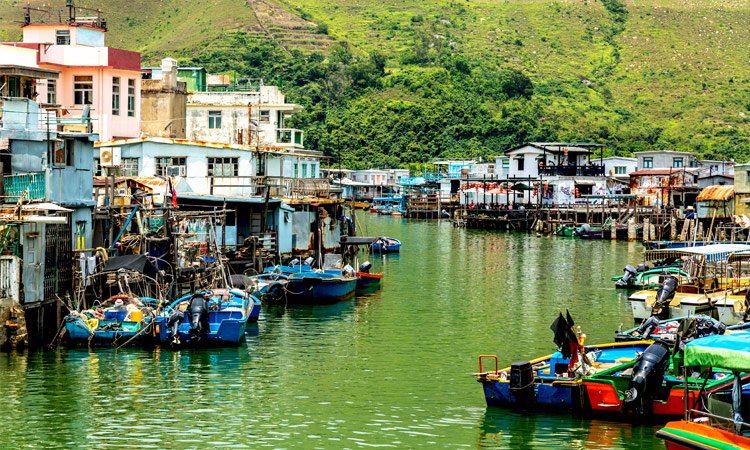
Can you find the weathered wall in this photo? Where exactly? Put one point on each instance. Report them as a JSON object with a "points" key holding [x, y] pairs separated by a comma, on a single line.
{"points": [[163, 110]]}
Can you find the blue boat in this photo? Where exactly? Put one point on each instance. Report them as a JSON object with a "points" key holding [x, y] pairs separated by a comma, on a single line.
{"points": [[316, 288], [386, 245], [119, 320], [214, 317], [545, 384]]}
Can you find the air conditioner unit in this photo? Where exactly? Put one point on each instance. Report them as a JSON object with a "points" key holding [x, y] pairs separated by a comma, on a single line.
{"points": [[110, 156], [176, 171]]}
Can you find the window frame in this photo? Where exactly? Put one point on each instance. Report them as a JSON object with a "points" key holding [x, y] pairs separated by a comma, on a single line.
{"points": [[174, 161], [223, 162], [131, 97], [83, 90], [64, 34], [127, 168], [214, 119], [52, 92], [677, 159], [621, 170], [115, 96], [520, 164], [265, 116], [648, 162]]}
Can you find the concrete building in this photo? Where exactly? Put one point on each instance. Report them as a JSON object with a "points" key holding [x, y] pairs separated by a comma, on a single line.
{"points": [[164, 104], [566, 172], [662, 187], [195, 78], [662, 159], [742, 188], [92, 77], [619, 166]]}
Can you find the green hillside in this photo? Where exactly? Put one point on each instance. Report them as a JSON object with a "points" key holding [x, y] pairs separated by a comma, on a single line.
{"points": [[396, 81]]}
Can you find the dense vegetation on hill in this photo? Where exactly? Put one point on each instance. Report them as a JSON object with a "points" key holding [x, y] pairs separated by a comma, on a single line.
{"points": [[396, 81]]}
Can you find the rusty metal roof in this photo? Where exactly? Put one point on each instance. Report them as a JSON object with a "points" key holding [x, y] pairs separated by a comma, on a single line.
{"points": [[719, 193]]}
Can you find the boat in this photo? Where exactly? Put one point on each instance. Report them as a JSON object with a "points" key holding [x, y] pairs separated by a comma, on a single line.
{"points": [[121, 319], [710, 278], [649, 278], [215, 317], [566, 230], [366, 281], [313, 288], [386, 205], [733, 307], [653, 328], [359, 205], [605, 231], [552, 382], [720, 422], [655, 385], [385, 244]]}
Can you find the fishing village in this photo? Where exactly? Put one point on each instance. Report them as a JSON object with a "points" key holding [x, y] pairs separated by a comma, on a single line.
{"points": [[181, 266]]}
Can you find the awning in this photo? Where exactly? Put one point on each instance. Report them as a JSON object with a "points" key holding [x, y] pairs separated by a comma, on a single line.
{"points": [[712, 253], [719, 193], [728, 351], [522, 187], [584, 182], [31, 72]]}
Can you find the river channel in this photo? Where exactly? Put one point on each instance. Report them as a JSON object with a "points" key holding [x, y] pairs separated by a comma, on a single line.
{"points": [[392, 369]]}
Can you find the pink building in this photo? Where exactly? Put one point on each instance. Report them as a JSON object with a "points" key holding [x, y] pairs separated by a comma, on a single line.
{"points": [[106, 79]]}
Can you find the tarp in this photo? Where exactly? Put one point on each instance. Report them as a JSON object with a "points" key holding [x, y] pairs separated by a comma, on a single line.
{"points": [[712, 253], [136, 263], [728, 351]]}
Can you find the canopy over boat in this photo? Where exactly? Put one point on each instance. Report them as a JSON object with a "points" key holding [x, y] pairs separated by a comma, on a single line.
{"points": [[711, 253], [136, 263], [727, 351]]}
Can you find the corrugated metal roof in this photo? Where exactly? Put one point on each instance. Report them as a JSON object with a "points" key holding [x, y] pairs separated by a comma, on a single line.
{"points": [[719, 193]]}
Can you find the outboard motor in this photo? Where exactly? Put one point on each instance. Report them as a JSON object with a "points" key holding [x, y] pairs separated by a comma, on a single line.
{"points": [[663, 296], [173, 325], [583, 229], [522, 384], [309, 261], [628, 277], [294, 262], [648, 375], [365, 267], [647, 327], [198, 310]]}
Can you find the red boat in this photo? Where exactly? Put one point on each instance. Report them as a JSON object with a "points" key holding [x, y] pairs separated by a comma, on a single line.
{"points": [[683, 435]]}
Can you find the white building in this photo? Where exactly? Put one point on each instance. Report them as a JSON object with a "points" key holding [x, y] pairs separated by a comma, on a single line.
{"points": [[619, 166]]}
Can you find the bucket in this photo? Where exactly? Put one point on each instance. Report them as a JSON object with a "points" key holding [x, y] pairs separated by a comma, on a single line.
{"points": [[136, 316]]}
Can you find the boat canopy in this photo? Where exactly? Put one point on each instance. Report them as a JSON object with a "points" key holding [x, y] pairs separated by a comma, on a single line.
{"points": [[727, 351], [711, 253]]}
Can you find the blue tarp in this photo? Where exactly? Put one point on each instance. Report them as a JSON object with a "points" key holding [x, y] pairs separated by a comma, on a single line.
{"points": [[727, 351]]}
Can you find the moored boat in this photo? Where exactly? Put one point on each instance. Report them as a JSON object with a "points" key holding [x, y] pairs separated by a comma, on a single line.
{"points": [[213, 317], [313, 288], [386, 245], [719, 422]]}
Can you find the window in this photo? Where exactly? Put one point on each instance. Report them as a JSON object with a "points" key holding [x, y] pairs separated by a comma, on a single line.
{"points": [[506, 164], [97, 168], [83, 89], [296, 170], [304, 170], [115, 96], [63, 155], [129, 167], [621, 170], [676, 162], [214, 119], [648, 163], [313, 171], [51, 92], [14, 87], [63, 37], [222, 167], [265, 116], [131, 98], [178, 166], [520, 163]]}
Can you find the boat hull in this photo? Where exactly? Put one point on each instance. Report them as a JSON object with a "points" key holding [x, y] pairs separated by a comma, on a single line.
{"points": [[553, 392], [368, 282], [311, 290], [690, 435], [107, 332]]}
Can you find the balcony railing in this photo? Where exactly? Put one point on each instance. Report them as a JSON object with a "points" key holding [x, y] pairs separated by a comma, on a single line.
{"points": [[290, 136], [279, 186], [572, 171], [29, 185]]}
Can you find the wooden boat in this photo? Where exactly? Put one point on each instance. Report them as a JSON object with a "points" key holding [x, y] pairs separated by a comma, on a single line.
{"points": [[551, 389], [368, 282], [213, 317], [313, 288], [649, 279], [120, 319], [359, 205], [386, 245], [708, 282], [624, 393], [565, 230], [721, 422]]}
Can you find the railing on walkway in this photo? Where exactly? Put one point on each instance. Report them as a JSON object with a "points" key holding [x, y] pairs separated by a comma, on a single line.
{"points": [[29, 185]]}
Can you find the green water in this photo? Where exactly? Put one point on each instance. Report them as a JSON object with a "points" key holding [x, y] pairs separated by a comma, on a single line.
{"points": [[389, 370]]}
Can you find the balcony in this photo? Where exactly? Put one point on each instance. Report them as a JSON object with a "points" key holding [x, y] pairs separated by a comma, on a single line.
{"points": [[572, 171], [279, 186], [290, 136], [30, 186]]}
